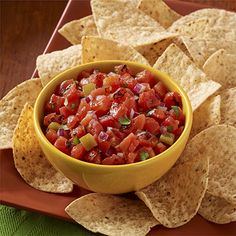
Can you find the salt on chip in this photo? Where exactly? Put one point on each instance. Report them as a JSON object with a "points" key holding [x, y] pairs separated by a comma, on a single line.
{"points": [[97, 49], [201, 28], [11, 106], [30, 161], [153, 50], [181, 69], [121, 21], [217, 210], [175, 198], [221, 67], [201, 49], [74, 30], [228, 108], [206, 115], [51, 64], [159, 11], [111, 215], [218, 144]]}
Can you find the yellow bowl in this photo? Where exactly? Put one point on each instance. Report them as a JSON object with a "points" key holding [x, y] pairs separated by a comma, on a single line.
{"points": [[113, 179]]}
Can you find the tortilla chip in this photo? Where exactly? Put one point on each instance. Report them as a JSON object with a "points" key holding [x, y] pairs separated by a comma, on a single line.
{"points": [[175, 198], [180, 68], [218, 144], [159, 11], [201, 49], [228, 108], [30, 161], [97, 49], [204, 28], [217, 210], [11, 106], [221, 67], [51, 64], [154, 50], [121, 21], [111, 215], [74, 30], [206, 115]]}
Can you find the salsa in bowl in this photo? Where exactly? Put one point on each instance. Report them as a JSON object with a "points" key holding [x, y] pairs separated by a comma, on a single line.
{"points": [[112, 126]]}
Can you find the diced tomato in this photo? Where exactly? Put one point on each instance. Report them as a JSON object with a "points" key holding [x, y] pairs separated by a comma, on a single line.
{"points": [[160, 147], [101, 105], [103, 142], [128, 81], [146, 77], [129, 144], [98, 79], [177, 114], [54, 104], [107, 121], [93, 157], [52, 117], [64, 86], [131, 157], [89, 116], [78, 151], [148, 100], [178, 131], [118, 110], [65, 112], [78, 131], [98, 91], [171, 122], [84, 74], [172, 99], [160, 89], [119, 95], [152, 126], [122, 69], [158, 114], [83, 109], [137, 124], [113, 160], [178, 98], [130, 103], [72, 121], [112, 80], [72, 98], [148, 150], [62, 144], [113, 139], [147, 139], [94, 127], [51, 135]]}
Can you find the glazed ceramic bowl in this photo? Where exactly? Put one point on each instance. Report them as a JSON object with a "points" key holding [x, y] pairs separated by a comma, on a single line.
{"points": [[113, 179]]}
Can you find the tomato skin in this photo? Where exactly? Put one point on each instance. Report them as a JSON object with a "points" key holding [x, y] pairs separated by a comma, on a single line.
{"points": [[178, 131], [147, 139], [113, 160], [65, 112], [61, 144], [131, 157], [94, 127], [93, 157], [148, 100], [152, 126], [78, 151], [160, 147], [51, 135], [160, 89]]}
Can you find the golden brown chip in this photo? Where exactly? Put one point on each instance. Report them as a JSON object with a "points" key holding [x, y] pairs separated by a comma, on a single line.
{"points": [[217, 210], [221, 67], [51, 64], [111, 215], [180, 68], [121, 21], [175, 198], [30, 161], [74, 30], [228, 108], [97, 49], [11, 106], [206, 115], [159, 11], [201, 49]]}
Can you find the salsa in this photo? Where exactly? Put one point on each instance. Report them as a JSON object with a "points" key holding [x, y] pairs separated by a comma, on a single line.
{"points": [[113, 118]]}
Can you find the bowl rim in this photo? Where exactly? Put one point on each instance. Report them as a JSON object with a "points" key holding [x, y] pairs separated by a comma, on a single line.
{"points": [[157, 73]]}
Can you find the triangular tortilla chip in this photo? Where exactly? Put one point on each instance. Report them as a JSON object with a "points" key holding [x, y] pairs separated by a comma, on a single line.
{"points": [[121, 21], [159, 11], [175, 198], [206, 115], [97, 49], [30, 161], [217, 210], [228, 108], [111, 215], [11, 106], [221, 67], [180, 68], [74, 30], [201, 49], [51, 64]]}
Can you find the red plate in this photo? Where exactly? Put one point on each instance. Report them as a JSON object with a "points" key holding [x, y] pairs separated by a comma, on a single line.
{"points": [[15, 192]]}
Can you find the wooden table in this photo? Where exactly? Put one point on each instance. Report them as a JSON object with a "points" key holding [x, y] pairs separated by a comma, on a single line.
{"points": [[26, 27]]}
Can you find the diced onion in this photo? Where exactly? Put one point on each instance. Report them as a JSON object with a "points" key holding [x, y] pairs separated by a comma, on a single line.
{"points": [[139, 88], [61, 132], [103, 136]]}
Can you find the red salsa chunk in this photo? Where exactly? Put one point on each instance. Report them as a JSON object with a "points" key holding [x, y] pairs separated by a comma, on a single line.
{"points": [[113, 118]]}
